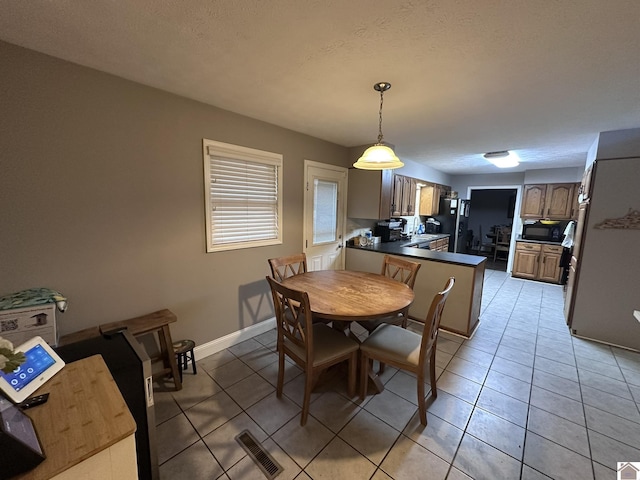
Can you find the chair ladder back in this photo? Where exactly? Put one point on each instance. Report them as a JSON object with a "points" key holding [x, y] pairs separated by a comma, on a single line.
{"points": [[285, 267], [400, 270], [292, 315], [432, 321]]}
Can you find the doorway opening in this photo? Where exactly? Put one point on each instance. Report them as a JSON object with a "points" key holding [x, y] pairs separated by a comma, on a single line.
{"points": [[494, 223]]}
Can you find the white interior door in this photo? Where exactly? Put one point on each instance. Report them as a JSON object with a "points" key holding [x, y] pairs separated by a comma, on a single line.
{"points": [[324, 215]]}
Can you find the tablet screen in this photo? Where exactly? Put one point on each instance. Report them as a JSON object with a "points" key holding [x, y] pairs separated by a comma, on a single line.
{"points": [[38, 360], [40, 365]]}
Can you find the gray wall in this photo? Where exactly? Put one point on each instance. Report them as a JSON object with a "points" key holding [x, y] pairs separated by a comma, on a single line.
{"points": [[101, 195]]}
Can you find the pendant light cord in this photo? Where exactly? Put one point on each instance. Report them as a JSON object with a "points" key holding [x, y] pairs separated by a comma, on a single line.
{"points": [[380, 119]]}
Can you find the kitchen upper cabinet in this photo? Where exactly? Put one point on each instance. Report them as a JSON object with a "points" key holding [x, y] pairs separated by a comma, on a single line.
{"points": [[560, 201], [404, 196], [556, 201], [409, 196], [537, 261], [396, 201], [430, 200], [533, 201], [369, 194]]}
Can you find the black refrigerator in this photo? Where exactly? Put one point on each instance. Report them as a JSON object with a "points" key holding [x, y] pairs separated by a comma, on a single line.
{"points": [[130, 367], [454, 220]]}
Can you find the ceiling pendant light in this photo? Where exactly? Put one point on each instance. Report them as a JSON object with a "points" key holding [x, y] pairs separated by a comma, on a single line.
{"points": [[379, 156]]}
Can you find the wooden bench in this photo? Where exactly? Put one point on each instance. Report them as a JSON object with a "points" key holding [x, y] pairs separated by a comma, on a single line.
{"points": [[156, 322]]}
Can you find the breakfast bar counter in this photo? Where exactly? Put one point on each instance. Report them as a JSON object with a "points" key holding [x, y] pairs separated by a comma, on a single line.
{"points": [[401, 249], [462, 313]]}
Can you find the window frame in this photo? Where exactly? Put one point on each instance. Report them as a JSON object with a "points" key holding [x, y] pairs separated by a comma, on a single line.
{"points": [[211, 149]]}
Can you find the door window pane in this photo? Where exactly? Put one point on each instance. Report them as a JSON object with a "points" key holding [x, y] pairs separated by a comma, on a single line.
{"points": [[325, 212]]}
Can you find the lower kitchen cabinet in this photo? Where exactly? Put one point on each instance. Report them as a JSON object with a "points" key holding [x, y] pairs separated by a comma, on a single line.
{"points": [[550, 270], [440, 245], [537, 261]]}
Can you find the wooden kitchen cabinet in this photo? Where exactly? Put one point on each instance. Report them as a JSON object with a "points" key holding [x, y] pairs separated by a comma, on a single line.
{"points": [[409, 186], [526, 261], [369, 194], [430, 200], [550, 270], [537, 261], [533, 201], [560, 201], [404, 196], [440, 245], [396, 199], [556, 201]]}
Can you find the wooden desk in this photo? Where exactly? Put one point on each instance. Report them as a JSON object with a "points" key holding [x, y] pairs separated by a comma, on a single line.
{"points": [[85, 428], [348, 296], [157, 322]]}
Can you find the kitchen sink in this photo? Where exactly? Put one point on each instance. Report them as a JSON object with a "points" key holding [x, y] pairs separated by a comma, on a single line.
{"points": [[418, 245], [422, 241]]}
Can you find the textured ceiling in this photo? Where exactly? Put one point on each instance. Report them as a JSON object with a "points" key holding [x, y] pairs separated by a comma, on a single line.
{"points": [[541, 77]]}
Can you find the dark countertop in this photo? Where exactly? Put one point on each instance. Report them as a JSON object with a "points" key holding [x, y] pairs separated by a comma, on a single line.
{"points": [[545, 242], [398, 248]]}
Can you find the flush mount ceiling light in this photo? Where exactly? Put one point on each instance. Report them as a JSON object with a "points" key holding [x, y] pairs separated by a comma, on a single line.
{"points": [[503, 159], [379, 156]]}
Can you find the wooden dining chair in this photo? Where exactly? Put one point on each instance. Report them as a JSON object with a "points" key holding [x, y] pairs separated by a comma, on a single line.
{"points": [[284, 267], [403, 271], [502, 242], [313, 346], [407, 350]]}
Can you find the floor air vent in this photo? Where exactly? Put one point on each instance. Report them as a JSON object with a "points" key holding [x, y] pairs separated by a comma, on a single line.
{"points": [[259, 455]]}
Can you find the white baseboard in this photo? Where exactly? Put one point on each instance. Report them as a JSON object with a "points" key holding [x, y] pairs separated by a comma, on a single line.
{"points": [[219, 344]]}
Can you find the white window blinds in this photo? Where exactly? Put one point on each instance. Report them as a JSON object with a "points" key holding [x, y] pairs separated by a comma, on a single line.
{"points": [[243, 193]]}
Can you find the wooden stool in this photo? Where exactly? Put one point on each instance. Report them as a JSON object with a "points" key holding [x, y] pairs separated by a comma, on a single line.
{"points": [[184, 354]]}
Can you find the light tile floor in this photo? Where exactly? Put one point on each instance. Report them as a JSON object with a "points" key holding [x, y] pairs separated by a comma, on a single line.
{"points": [[521, 399]]}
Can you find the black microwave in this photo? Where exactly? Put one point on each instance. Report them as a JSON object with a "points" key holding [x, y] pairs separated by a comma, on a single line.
{"points": [[539, 231]]}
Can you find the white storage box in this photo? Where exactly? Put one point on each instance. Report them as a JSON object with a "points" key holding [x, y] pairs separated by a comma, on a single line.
{"points": [[20, 324]]}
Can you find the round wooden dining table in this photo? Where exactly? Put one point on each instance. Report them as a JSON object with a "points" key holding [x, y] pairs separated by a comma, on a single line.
{"points": [[347, 296], [344, 295]]}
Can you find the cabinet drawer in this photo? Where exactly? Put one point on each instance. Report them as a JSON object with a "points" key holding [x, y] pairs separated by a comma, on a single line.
{"points": [[552, 248], [533, 247]]}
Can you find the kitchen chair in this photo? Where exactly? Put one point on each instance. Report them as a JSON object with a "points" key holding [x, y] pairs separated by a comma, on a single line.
{"points": [[486, 243], [502, 242], [284, 267], [403, 271], [407, 350], [314, 347]]}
